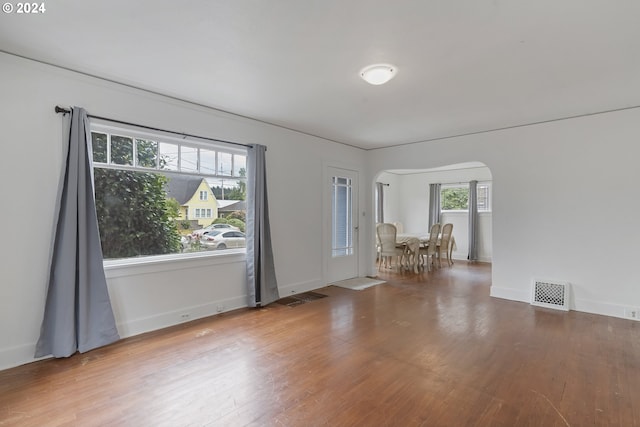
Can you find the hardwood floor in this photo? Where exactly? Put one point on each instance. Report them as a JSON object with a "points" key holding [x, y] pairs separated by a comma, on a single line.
{"points": [[431, 349]]}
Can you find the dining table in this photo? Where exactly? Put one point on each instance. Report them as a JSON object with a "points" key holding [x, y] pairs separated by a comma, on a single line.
{"points": [[412, 242], [411, 246]]}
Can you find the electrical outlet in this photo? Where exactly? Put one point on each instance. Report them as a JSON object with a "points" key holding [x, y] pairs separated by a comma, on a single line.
{"points": [[220, 308], [632, 313], [185, 316]]}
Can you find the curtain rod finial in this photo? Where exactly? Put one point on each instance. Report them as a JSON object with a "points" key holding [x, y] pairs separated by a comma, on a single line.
{"points": [[62, 110]]}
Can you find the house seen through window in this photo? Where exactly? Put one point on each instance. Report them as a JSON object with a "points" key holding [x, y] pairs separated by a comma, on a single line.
{"points": [[162, 195]]}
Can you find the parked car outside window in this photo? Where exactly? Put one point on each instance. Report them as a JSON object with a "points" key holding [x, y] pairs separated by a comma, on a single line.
{"points": [[201, 232], [220, 239]]}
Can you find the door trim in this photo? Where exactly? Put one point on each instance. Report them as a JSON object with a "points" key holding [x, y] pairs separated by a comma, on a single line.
{"points": [[327, 174]]}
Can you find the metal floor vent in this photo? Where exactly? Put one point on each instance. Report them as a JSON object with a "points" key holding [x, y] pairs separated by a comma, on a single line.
{"points": [[550, 294], [298, 299]]}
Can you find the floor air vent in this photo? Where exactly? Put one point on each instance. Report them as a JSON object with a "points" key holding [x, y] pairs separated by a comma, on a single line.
{"points": [[298, 299], [550, 294]]}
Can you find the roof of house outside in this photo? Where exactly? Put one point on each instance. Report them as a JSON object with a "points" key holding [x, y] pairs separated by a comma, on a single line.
{"points": [[237, 205], [182, 188]]}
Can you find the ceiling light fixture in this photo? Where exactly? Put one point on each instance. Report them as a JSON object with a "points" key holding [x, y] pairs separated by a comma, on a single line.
{"points": [[378, 74]]}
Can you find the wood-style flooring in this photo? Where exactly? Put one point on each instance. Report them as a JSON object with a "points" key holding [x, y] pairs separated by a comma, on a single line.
{"points": [[431, 349]]}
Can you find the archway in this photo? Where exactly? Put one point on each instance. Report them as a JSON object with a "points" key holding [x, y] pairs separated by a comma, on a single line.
{"points": [[406, 202]]}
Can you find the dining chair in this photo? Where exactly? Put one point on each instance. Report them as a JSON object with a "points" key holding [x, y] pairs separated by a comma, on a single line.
{"points": [[387, 244], [445, 243], [430, 249]]}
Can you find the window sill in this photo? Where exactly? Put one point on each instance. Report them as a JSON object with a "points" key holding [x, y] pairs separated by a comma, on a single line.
{"points": [[160, 263]]}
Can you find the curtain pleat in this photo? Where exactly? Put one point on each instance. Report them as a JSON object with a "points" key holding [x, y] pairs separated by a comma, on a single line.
{"points": [[78, 315], [261, 274], [380, 202], [434, 204], [473, 221]]}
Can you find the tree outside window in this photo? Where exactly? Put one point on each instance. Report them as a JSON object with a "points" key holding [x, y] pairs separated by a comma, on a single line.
{"points": [[456, 197]]}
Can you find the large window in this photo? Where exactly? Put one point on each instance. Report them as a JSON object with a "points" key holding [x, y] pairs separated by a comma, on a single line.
{"points": [[147, 185], [455, 197]]}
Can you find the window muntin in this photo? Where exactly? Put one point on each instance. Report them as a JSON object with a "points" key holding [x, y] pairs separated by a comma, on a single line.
{"points": [[165, 156], [341, 224], [203, 213], [455, 197], [129, 164], [484, 197]]}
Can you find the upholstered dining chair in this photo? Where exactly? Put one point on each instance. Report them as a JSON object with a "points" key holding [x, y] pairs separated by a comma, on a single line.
{"points": [[429, 251], [387, 244], [445, 243]]}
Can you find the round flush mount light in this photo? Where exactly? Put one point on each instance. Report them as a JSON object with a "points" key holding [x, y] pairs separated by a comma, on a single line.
{"points": [[378, 74]]}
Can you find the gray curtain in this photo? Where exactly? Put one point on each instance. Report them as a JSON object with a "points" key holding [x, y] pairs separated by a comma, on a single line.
{"points": [[77, 314], [434, 204], [380, 204], [261, 273], [473, 221]]}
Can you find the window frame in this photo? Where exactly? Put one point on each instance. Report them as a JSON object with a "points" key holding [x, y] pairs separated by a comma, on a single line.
{"points": [[150, 262], [169, 139], [345, 183], [466, 186]]}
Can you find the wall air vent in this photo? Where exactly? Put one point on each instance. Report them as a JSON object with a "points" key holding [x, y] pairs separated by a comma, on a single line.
{"points": [[550, 294]]}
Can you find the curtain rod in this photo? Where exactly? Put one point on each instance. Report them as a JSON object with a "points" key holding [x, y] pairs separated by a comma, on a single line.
{"points": [[67, 111], [463, 182], [386, 185]]}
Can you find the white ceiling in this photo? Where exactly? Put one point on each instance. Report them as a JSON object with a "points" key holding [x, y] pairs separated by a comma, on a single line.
{"points": [[463, 65]]}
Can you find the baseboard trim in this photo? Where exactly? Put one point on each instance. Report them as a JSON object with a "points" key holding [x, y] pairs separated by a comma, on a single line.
{"points": [[480, 259], [510, 294], [23, 354], [581, 305], [185, 314], [597, 307], [20, 355], [296, 288]]}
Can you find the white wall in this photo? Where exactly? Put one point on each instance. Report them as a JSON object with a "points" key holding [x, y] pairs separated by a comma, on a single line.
{"points": [[460, 221], [151, 296], [556, 187], [407, 201]]}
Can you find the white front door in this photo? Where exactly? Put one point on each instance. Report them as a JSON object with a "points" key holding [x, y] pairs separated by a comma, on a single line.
{"points": [[341, 213]]}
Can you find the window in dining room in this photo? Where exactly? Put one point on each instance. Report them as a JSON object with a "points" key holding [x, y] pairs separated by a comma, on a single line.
{"points": [[455, 197]]}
